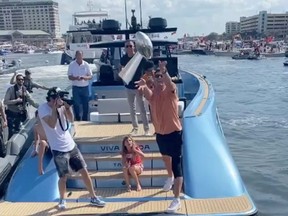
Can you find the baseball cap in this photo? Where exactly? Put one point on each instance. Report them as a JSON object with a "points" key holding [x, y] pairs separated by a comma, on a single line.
{"points": [[53, 92]]}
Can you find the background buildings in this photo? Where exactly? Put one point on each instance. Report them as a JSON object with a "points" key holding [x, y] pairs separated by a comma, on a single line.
{"points": [[262, 24], [232, 27], [30, 15]]}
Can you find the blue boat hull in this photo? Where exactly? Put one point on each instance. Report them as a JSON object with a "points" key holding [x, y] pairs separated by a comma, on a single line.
{"points": [[209, 169]]}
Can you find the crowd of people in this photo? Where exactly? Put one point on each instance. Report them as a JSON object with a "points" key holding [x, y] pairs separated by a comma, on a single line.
{"points": [[51, 130]]}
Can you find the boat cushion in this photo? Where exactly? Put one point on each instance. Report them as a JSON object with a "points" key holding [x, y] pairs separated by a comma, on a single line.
{"points": [[5, 167], [116, 105], [111, 111], [181, 107], [21, 139], [104, 117], [113, 117]]}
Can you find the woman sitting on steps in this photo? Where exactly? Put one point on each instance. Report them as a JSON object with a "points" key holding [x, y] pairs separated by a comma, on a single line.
{"points": [[131, 162]]}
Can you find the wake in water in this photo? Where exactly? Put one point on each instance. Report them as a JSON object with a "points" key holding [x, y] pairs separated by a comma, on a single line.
{"points": [[252, 121]]}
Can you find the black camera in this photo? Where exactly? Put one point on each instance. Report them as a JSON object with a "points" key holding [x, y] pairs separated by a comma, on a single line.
{"points": [[65, 97]]}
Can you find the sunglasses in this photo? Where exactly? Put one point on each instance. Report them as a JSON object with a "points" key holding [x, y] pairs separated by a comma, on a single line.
{"points": [[20, 79], [127, 46], [158, 76]]}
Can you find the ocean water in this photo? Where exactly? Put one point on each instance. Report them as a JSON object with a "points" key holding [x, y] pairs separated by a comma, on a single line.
{"points": [[252, 102]]}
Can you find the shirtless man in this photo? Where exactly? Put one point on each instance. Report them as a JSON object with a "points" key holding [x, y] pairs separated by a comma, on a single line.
{"points": [[40, 143]]}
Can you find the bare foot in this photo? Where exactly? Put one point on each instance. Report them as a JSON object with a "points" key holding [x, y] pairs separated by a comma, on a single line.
{"points": [[129, 188], [139, 187], [40, 171]]}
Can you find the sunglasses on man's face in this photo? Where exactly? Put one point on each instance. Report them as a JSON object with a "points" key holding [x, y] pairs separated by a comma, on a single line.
{"points": [[128, 46], [20, 79]]}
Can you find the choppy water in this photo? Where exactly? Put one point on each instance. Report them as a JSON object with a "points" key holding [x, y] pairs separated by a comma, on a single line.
{"points": [[252, 102]]}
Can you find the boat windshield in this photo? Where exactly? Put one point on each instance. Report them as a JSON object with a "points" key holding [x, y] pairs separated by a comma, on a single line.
{"points": [[82, 37]]}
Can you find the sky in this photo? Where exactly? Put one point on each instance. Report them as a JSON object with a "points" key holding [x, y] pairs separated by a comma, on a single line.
{"points": [[193, 17]]}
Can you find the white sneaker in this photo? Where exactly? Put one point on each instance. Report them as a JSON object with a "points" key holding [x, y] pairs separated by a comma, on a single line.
{"points": [[62, 204], [168, 184], [174, 206], [134, 132], [147, 133]]}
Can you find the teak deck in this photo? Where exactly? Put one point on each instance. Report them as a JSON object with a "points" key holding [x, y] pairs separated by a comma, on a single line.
{"points": [[149, 200]]}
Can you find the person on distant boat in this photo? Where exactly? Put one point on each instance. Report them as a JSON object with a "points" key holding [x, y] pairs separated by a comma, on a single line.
{"points": [[17, 99], [55, 116], [131, 162], [104, 58], [163, 100], [28, 82], [80, 73], [40, 143], [133, 94]]}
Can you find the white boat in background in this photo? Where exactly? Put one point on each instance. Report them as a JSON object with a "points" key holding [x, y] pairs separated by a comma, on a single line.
{"points": [[30, 51], [79, 37]]}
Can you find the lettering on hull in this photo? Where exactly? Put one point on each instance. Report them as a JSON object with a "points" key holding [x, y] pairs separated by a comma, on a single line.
{"points": [[110, 148], [117, 165], [117, 148]]}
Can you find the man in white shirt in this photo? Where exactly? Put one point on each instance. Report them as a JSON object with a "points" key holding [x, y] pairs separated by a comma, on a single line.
{"points": [[55, 116], [80, 73]]}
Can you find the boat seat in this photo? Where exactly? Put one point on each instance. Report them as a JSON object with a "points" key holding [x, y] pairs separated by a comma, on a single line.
{"points": [[106, 74], [114, 110], [117, 110]]}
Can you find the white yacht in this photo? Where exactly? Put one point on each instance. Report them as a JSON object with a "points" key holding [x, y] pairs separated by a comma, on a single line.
{"points": [[79, 36]]}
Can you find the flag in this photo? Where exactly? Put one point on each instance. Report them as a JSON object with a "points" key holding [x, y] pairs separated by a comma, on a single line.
{"points": [[269, 39]]}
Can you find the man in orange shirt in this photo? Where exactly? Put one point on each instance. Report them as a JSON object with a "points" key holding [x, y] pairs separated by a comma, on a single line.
{"points": [[163, 100]]}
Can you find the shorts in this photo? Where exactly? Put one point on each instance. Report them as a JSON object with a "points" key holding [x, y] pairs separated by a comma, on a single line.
{"points": [[64, 160], [170, 144]]}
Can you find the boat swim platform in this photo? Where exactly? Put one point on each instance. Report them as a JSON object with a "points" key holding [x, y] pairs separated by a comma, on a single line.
{"points": [[147, 201], [92, 133]]}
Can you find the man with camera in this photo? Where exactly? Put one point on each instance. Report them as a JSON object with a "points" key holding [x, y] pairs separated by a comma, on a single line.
{"points": [[55, 116], [80, 73], [17, 98]]}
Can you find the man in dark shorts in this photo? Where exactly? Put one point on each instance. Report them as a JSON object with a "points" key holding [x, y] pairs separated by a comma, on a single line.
{"points": [[163, 100], [55, 116]]}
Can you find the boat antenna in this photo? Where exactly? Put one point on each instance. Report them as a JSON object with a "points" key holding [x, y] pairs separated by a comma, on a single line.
{"points": [[126, 18], [140, 3]]}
